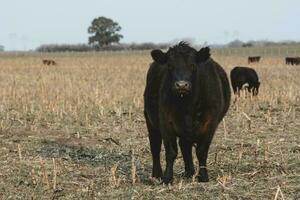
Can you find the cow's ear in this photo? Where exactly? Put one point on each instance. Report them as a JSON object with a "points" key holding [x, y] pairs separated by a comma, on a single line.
{"points": [[159, 56], [203, 54]]}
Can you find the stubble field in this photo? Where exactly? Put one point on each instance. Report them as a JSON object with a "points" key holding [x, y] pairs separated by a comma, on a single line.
{"points": [[76, 131]]}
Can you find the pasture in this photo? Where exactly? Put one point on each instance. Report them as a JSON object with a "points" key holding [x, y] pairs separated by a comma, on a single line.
{"points": [[76, 130]]}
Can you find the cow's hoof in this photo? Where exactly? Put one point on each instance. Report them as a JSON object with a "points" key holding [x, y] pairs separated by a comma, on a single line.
{"points": [[157, 174], [203, 175], [167, 180], [203, 179], [189, 174]]}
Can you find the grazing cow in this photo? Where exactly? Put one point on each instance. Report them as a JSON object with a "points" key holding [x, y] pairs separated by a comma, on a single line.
{"points": [[49, 62], [253, 59], [297, 61], [292, 60], [187, 94], [244, 75], [52, 62], [288, 60]]}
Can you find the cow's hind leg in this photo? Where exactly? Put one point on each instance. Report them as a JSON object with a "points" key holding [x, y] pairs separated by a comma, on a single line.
{"points": [[171, 154], [253, 90], [186, 150]]}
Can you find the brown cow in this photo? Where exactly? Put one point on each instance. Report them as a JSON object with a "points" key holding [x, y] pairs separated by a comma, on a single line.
{"points": [[49, 62]]}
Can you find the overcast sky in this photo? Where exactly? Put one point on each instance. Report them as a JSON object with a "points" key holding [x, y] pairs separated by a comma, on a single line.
{"points": [[25, 24]]}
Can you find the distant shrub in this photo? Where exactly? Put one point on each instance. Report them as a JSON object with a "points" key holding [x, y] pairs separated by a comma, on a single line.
{"points": [[64, 47], [148, 46], [85, 47]]}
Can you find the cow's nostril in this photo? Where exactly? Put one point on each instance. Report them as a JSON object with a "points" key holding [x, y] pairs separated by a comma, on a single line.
{"points": [[182, 85]]}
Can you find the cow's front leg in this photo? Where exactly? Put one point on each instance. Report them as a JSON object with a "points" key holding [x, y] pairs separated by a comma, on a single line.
{"points": [[207, 130], [186, 150], [202, 152], [185, 143], [171, 154]]}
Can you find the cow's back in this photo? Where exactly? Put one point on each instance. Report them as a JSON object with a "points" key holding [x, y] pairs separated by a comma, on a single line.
{"points": [[243, 72]]}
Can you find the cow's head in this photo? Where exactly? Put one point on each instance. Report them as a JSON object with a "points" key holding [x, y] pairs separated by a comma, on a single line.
{"points": [[182, 62], [256, 88]]}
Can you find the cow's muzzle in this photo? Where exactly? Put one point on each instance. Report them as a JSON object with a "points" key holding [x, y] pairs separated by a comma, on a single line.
{"points": [[182, 87]]}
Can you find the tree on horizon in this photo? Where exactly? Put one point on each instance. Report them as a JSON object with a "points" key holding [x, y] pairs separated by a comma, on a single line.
{"points": [[104, 32]]}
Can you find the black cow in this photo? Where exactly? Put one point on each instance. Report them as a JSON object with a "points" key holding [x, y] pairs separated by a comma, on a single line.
{"points": [[292, 60], [253, 59], [187, 94], [240, 76]]}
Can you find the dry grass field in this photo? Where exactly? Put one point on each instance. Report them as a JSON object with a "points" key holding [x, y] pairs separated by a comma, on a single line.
{"points": [[76, 131]]}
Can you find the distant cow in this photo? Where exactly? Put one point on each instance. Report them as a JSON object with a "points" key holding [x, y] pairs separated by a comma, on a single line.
{"points": [[292, 60], [49, 62], [187, 94], [253, 59], [244, 75]]}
